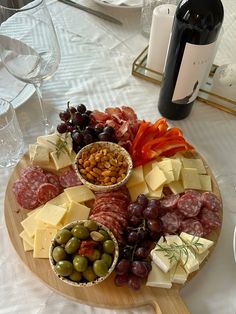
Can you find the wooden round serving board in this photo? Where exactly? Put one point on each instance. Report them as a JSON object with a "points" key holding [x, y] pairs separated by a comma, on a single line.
{"points": [[106, 294]]}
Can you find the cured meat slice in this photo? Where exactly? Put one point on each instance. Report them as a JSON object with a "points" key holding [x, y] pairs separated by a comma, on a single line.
{"points": [[116, 216], [46, 192], [211, 201], [169, 202], [29, 169], [189, 205], [26, 198], [54, 179], [18, 185], [209, 219], [69, 178], [192, 226], [34, 178], [171, 222]]}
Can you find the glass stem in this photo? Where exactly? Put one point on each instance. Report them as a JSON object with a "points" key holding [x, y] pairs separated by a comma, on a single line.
{"points": [[46, 123]]}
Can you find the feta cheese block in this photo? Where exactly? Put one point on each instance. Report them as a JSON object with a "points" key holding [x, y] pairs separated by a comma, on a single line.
{"points": [[190, 178], [155, 178], [136, 177], [205, 243], [157, 278], [161, 260], [135, 190], [79, 194], [51, 214], [39, 155], [42, 241], [178, 274]]}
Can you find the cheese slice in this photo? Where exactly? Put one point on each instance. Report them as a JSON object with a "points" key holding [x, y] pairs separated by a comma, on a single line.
{"points": [[157, 278], [135, 190], [205, 181], [176, 187], [155, 194], [30, 224], [201, 257], [166, 166], [40, 155], [136, 177], [79, 194], [59, 199], [76, 211], [27, 247], [147, 168], [176, 165], [31, 212], [161, 260], [62, 160], [155, 178], [51, 214], [24, 235], [178, 274], [194, 163], [205, 243], [190, 178], [43, 238]]}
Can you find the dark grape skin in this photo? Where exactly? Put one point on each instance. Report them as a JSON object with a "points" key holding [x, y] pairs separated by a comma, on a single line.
{"points": [[133, 237], [81, 108], [77, 137], [72, 109], [78, 119], [139, 268], [154, 225], [88, 138], [62, 128], [134, 282], [108, 129], [86, 119], [142, 200], [123, 267], [121, 280], [150, 212], [98, 128], [141, 253], [104, 136], [65, 116], [138, 210], [135, 221]]}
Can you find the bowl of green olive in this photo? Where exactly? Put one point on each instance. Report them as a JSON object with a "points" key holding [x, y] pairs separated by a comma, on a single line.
{"points": [[83, 253]]}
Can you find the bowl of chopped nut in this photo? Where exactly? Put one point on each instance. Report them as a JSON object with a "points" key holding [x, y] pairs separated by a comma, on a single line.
{"points": [[103, 166]]}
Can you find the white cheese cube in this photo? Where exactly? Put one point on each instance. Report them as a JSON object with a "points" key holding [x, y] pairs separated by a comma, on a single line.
{"points": [[40, 155], [205, 181], [205, 243], [51, 214], [190, 178], [79, 194], [173, 239], [155, 178], [189, 261], [176, 187], [136, 177], [61, 160], [178, 274], [201, 257], [43, 238], [161, 260], [157, 278], [194, 163], [135, 190]]}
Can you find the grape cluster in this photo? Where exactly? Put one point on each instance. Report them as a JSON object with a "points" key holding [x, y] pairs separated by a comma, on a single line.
{"points": [[77, 122], [144, 228]]}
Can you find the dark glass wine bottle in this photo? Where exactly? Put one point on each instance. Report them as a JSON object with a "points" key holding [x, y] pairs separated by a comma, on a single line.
{"points": [[195, 30]]}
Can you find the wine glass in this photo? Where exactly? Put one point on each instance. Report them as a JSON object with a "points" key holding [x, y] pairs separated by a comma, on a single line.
{"points": [[29, 47]]}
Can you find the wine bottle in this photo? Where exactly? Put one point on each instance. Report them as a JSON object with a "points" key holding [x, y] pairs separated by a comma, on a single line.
{"points": [[195, 29]]}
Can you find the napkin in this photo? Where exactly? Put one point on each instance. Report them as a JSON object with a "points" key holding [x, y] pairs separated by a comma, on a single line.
{"points": [[129, 3], [10, 87]]}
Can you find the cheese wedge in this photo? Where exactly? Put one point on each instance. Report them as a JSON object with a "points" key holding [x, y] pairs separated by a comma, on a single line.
{"points": [[59, 199], [176, 187], [161, 260], [62, 160], [26, 238], [176, 165], [157, 278]]}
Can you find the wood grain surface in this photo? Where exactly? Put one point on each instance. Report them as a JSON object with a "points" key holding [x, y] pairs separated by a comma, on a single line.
{"points": [[106, 294]]}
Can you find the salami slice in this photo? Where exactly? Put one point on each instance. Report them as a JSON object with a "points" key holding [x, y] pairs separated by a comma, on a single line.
{"points": [[170, 201], [25, 170], [34, 178], [18, 185], [26, 198], [54, 179], [189, 205], [192, 226], [46, 192], [171, 222], [209, 219], [69, 178], [211, 201]]}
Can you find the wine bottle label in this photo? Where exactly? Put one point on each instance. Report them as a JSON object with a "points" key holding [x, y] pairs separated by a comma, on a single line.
{"points": [[192, 71]]}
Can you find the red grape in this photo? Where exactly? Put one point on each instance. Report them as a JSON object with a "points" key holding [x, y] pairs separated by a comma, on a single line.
{"points": [[88, 138], [134, 282], [141, 252], [65, 116], [122, 267], [140, 269], [132, 237], [121, 280], [81, 108], [104, 136], [72, 109], [142, 200], [62, 128], [154, 225], [150, 212], [154, 203], [138, 210], [78, 119], [77, 137], [135, 221], [108, 129]]}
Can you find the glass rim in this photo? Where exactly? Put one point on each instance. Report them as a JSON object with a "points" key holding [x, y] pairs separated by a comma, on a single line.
{"points": [[22, 9]]}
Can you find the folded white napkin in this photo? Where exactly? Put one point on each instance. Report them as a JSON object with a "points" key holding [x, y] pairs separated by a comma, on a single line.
{"points": [[129, 3], [10, 87]]}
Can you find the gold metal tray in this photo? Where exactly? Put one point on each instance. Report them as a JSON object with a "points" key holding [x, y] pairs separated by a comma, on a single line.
{"points": [[205, 96]]}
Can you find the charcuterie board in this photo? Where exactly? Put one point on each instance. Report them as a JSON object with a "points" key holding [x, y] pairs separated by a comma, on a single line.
{"points": [[105, 294]]}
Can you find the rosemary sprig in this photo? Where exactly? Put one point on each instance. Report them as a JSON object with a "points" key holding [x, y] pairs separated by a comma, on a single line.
{"points": [[175, 251], [61, 145]]}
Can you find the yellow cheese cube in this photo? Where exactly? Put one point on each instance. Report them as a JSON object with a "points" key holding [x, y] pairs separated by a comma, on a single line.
{"points": [[155, 178], [27, 247], [24, 235], [51, 214], [76, 211], [190, 178], [59, 199], [136, 177], [194, 163], [79, 194], [176, 187], [62, 160], [135, 190], [157, 278], [205, 181], [43, 238]]}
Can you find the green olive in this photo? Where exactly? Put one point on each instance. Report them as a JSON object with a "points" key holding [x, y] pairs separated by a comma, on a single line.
{"points": [[105, 234], [80, 232], [91, 225], [89, 274], [64, 268], [108, 246], [63, 236], [58, 253], [72, 245], [80, 263], [96, 255], [100, 268], [107, 259], [75, 276]]}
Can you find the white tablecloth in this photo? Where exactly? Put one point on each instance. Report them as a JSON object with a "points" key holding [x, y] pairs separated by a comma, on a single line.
{"points": [[96, 70]]}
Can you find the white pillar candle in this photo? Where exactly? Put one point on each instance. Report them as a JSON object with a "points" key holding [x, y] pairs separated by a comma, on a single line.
{"points": [[162, 21]]}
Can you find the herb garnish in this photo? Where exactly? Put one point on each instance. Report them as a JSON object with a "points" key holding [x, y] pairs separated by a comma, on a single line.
{"points": [[61, 145]]}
